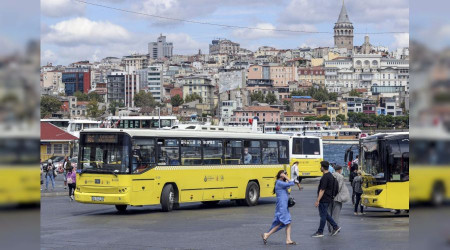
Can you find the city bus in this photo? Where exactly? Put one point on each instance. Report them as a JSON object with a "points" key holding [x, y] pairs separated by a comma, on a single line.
{"points": [[384, 161], [430, 169], [136, 167], [143, 122], [308, 152], [19, 167]]}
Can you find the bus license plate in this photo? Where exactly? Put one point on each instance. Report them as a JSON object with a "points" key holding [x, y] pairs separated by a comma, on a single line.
{"points": [[305, 173], [97, 198]]}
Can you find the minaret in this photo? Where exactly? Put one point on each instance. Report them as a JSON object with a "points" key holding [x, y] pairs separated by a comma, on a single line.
{"points": [[343, 30]]}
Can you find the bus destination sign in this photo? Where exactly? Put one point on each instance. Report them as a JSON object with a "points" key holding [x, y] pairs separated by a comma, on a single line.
{"points": [[96, 138]]}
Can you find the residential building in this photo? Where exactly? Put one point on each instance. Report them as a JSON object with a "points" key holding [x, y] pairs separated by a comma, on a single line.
{"points": [[200, 85], [332, 109], [223, 46], [52, 80], [160, 49], [294, 116], [369, 107], [151, 80], [314, 75], [301, 103], [55, 141], [134, 62], [232, 79], [264, 114], [354, 104]]}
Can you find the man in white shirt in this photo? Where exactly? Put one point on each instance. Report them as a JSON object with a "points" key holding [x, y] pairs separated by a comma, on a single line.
{"points": [[295, 175]]}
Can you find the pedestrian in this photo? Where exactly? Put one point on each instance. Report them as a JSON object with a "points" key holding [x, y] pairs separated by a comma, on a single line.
{"points": [[331, 168], [282, 216], [325, 195], [65, 167], [342, 196], [295, 175], [50, 174], [357, 188], [71, 181]]}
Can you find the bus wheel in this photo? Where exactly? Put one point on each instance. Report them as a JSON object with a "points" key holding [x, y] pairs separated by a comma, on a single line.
{"points": [[210, 203], [121, 208], [167, 198], [438, 195], [252, 194]]}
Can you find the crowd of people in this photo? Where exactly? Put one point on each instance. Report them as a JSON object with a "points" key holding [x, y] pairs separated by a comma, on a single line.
{"points": [[50, 171], [332, 192]]}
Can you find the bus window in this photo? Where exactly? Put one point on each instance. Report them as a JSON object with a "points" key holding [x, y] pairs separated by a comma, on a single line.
{"points": [[191, 153], [143, 155], [252, 152], [398, 165], [284, 157], [297, 146], [145, 124], [371, 162], [270, 152], [311, 146], [165, 123], [168, 152], [212, 152], [233, 152]]}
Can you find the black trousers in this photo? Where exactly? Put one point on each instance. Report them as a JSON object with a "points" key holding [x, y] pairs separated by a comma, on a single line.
{"points": [[357, 203], [72, 188]]}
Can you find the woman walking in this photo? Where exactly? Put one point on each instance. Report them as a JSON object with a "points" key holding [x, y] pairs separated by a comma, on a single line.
{"points": [[71, 181], [49, 174], [357, 188], [282, 216]]}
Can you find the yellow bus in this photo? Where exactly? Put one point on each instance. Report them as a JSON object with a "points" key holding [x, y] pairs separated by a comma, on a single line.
{"points": [[19, 168], [430, 169], [139, 167], [384, 161], [308, 152]]}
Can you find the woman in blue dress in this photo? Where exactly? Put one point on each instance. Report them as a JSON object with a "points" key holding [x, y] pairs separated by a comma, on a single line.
{"points": [[282, 216]]}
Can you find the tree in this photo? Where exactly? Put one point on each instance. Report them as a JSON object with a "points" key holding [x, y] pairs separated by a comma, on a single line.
{"points": [[353, 92], [257, 96], [49, 105], [81, 97], [340, 118], [176, 101], [144, 99], [270, 98], [287, 104], [95, 96], [325, 118], [192, 97], [113, 106], [92, 109], [311, 118]]}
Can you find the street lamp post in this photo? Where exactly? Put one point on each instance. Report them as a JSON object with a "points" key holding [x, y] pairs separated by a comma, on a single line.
{"points": [[159, 117]]}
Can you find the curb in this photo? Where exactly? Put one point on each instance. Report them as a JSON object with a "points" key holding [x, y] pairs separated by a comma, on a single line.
{"points": [[55, 194]]}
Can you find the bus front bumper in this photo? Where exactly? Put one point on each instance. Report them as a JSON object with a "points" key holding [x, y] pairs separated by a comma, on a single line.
{"points": [[100, 198]]}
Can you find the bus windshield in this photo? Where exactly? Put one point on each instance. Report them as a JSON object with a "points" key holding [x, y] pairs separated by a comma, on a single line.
{"points": [[306, 146], [371, 160], [108, 153]]}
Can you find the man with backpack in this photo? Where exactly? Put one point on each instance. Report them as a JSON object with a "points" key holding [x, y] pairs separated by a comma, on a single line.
{"points": [[327, 190], [342, 196]]}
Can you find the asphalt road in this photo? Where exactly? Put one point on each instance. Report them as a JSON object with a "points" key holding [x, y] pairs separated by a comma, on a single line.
{"points": [[71, 225]]}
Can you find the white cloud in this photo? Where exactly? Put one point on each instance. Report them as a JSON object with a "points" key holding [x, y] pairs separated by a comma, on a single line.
{"points": [[81, 30], [266, 30], [401, 41], [48, 56], [61, 8]]}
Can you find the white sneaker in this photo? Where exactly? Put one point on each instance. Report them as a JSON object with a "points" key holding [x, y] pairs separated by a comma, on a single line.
{"points": [[71, 197]]}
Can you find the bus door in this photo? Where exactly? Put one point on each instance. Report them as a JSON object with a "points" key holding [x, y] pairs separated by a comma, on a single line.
{"points": [[397, 159], [143, 159]]}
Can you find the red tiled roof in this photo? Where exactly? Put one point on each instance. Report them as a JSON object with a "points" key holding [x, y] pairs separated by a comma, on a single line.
{"points": [[260, 108], [50, 132]]}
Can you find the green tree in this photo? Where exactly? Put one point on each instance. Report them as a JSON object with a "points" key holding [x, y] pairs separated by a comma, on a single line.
{"points": [[144, 99], [340, 118], [192, 97], [81, 97], [93, 110], [176, 101], [270, 98], [257, 96], [325, 118], [49, 105], [287, 104], [353, 92], [311, 118], [114, 105], [95, 96]]}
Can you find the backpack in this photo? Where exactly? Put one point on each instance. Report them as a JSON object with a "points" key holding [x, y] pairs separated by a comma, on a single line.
{"points": [[335, 189], [69, 178]]}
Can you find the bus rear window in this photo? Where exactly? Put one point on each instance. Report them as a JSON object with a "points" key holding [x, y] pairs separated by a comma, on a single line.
{"points": [[306, 146]]}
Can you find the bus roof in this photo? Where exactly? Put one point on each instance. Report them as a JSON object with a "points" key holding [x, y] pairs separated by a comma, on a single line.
{"points": [[145, 117], [386, 135], [187, 133]]}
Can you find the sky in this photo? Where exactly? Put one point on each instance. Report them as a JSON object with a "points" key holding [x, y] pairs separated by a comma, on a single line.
{"points": [[72, 31]]}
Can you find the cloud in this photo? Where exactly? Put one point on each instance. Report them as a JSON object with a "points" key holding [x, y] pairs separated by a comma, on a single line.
{"points": [[81, 30], [48, 56], [250, 34], [401, 41], [62, 8], [386, 15]]}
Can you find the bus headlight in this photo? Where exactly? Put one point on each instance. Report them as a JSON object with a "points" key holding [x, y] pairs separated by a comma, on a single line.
{"points": [[378, 191]]}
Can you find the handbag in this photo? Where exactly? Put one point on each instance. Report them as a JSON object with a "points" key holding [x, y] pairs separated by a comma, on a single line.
{"points": [[291, 201], [69, 180]]}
